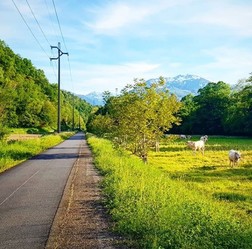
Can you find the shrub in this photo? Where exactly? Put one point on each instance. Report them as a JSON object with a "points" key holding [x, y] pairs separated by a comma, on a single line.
{"points": [[3, 132]]}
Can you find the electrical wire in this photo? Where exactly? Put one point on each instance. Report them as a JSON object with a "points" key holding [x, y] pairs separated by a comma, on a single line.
{"points": [[70, 71], [52, 65], [59, 24], [63, 39], [51, 19], [30, 28], [37, 22]]}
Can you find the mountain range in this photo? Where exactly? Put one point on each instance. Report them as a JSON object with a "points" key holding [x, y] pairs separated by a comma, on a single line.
{"points": [[181, 85], [93, 98]]}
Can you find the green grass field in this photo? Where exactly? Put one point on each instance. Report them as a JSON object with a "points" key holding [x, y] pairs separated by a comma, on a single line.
{"points": [[179, 200], [211, 174]]}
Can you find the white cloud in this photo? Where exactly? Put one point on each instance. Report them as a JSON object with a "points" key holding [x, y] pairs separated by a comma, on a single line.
{"points": [[100, 78], [233, 17], [118, 15], [227, 64]]}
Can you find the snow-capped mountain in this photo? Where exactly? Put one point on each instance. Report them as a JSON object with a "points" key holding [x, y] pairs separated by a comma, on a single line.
{"points": [[181, 85]]}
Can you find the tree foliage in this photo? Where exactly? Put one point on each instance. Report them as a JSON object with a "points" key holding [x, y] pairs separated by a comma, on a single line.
{"points": [[138, 117], [212, 103], [239, 115], [29, 100], [218, 109]]}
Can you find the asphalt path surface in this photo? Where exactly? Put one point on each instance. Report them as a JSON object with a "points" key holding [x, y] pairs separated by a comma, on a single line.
{"points": [[30, 194]]}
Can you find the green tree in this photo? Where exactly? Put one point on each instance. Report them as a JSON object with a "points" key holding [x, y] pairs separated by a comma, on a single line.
{"points": [[186, 113], [211, 108], [239, 118], [27, 99], [48, 115], [101, 125], [8, 93], [140, 116]]}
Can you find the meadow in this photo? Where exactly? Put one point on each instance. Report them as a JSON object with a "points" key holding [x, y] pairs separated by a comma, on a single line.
{"points": [[178, 199], [211, 174]]}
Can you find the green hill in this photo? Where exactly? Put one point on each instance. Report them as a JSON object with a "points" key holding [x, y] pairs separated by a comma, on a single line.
{"points": [[29, 100]]}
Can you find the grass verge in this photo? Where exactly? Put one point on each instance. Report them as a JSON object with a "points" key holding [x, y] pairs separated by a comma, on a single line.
{"points": [[15, 152], [154, 211]]}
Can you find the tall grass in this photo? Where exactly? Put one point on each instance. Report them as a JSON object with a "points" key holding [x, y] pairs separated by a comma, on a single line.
{"points": [[14, 152], [154, 211]]}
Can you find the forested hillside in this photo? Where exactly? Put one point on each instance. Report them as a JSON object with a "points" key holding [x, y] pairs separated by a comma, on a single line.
{"points": [[29, 100]]}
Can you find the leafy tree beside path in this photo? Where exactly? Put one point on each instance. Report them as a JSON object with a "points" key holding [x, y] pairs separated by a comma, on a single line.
{"points": [[138, 117]]}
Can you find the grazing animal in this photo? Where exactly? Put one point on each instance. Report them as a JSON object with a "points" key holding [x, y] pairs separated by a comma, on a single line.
{"points": [[234, 157], [182, 136], [198, 145], [204, 138]]}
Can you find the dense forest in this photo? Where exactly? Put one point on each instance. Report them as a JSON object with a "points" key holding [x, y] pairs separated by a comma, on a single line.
{"points": [[218, 109], [28, 100]]}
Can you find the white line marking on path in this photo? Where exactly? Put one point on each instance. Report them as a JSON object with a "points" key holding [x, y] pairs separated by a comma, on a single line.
{"points": [[18, 188]]}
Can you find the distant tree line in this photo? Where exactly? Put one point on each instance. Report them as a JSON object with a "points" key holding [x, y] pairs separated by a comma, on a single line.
{"points": [[27, 99], [218, 109]]}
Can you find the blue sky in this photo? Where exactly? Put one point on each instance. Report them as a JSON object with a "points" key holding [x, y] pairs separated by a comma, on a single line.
{"points": [[112, 42]]}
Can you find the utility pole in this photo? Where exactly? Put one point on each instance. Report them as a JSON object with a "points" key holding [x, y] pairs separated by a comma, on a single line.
{"points": [[73, 112], [58, 58]]}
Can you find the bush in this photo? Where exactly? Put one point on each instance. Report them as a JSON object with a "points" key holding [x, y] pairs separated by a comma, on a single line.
{"points": [[3, 132]]}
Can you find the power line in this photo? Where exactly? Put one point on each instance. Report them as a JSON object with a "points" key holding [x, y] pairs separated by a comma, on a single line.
{"points": [[51, 64], [29, 28], [59, 24], [70, 71], [37, 22], [36, 39], [51, 18]]}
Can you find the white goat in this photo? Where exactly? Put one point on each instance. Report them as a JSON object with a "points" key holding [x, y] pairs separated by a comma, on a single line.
{"points": [[182, 136], [204, 138], [198, 145], [234, 157]]}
